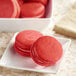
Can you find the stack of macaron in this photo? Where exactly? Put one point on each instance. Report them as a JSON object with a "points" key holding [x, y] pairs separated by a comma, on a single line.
{"points": [[24, 40], [23, 8], [44, 50]]}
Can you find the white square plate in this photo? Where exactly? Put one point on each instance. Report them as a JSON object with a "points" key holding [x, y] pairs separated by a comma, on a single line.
{"points": [[11, 59]]}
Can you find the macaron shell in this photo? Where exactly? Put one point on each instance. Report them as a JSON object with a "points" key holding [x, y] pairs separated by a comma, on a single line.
{"points": [[41, 1], [21, 46], [7, 9], [22, 53], [22, 49], [33, 9]]}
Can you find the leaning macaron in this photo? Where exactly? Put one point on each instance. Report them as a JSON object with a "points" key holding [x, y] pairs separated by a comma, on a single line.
{"points": [[24, 40], [32, 10], [40, 1], [46, 51]]}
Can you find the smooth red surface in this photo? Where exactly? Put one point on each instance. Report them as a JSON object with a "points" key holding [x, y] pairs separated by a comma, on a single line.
{"points": [[32, 10], [25, 39], [5, 10], [46, 51], [41, 1], [9, 9]]}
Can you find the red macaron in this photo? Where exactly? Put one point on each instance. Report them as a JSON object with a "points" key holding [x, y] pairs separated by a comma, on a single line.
{"points": [[40, 1], [46, 51], [24, 40], [32, 10], [8, 8]]}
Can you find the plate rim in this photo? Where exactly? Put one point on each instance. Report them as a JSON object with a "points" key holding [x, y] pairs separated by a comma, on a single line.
{"points": [[29, 69]]}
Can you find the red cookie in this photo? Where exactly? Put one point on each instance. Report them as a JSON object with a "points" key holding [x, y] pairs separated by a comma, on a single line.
{"points": [[32, 10], [24, 41], [46, 51], [40, 1]]}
